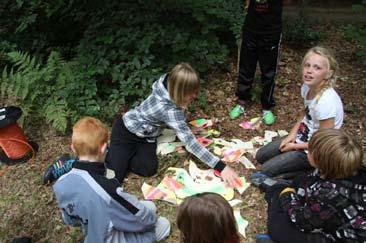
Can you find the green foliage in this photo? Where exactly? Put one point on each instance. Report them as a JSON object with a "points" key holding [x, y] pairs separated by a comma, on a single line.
{"points": [[34, 86], [357, 33], [255, 93], [51, 90], [111, 51], [299, 32], [5, 47], [361, 7], [200, 102]]}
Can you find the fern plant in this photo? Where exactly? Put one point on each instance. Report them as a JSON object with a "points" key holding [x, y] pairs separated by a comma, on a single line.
{"points": [[38, 86]]}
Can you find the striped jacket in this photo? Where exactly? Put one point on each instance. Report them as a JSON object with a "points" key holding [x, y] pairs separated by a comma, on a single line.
{"points": [[101, 208]]}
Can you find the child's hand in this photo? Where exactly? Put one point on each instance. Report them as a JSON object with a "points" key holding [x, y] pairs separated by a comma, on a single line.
{"points": [[288, 139], [288, 147], [230, 177]]}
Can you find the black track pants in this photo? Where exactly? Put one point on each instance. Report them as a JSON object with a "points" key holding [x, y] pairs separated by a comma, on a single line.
{"points": [[262, 49], [128, 152]]}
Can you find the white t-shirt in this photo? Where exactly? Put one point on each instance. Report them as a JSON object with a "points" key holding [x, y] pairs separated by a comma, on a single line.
{"points": [[329, 105]]}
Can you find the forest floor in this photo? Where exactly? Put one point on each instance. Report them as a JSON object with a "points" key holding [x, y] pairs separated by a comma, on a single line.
{"points": [[28, 208]]}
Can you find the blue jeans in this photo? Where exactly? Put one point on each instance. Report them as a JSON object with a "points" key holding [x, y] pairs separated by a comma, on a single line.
{"points": [[279, 164]]}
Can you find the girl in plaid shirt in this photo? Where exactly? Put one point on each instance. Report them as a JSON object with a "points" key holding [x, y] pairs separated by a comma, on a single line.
{"points": [[133, 139]]}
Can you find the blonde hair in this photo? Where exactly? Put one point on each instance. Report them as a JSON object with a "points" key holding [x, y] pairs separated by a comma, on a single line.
{"points": [[335, 153], [332, 66], [183, 81], [88, 135]]}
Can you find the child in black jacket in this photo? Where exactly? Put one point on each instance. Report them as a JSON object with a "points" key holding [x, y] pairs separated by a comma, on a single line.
{"points": [[330, 202]]}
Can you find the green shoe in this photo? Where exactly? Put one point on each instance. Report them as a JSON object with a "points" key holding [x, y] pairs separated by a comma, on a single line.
{"points": [[269, 118], [236, 111]]}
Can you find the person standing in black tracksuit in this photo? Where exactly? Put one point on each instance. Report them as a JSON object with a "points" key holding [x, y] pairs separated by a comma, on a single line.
{"points": [[261, 40]]}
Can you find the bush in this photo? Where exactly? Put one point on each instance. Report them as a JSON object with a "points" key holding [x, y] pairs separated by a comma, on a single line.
{"points": [[299, 32], [357, 33], [108, 54], [39, 88]]}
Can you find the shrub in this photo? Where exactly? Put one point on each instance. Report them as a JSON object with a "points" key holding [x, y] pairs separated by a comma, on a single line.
{"points": [[100, 56], [50, 90], [357, 32], [299, 32]]}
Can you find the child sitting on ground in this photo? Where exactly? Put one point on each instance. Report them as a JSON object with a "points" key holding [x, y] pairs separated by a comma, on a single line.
{"points": [[133, 139], [331, 201], [207, 218], [99, 205], [287, 157]]}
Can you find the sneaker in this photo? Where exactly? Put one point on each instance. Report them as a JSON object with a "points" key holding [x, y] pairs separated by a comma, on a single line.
{"points": [[264, 182], [257, 178], [263, 238], [268, 117], [59, 167], [236, 111], [22, 240]]}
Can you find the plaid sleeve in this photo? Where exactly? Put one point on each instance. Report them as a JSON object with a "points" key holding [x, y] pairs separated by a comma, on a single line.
{"points": [[176, 120]]}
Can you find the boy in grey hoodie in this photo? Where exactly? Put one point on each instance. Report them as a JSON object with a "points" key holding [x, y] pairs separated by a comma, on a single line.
{"points": [[99, 205]]}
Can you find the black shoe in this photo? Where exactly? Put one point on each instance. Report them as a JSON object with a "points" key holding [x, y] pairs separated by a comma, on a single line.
{"points": [[58, 168], [9, 115], [22, 240], [264, 182]]}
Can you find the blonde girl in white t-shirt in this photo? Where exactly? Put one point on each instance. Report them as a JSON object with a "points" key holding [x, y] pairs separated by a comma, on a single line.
{"points": [[323, 109]]}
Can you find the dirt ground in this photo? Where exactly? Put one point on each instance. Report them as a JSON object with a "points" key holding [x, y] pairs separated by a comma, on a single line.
{"points": [[28, 208]]}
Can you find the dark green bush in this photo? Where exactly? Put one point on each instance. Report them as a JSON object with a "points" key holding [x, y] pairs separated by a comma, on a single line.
{"points": [[300, 32], [112, 50], [33, 84], [357, 32]]}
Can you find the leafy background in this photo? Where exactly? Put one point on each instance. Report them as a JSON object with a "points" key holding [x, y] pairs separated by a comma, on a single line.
{"points": [[68, 59]]}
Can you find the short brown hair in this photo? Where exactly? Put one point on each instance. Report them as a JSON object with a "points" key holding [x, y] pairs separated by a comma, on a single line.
{"points": [[207, 218], [183, 81], [335, 153], [88, 134]]}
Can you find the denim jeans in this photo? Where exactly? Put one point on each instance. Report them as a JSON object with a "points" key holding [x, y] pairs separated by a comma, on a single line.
{"points": [[279, 164]]}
